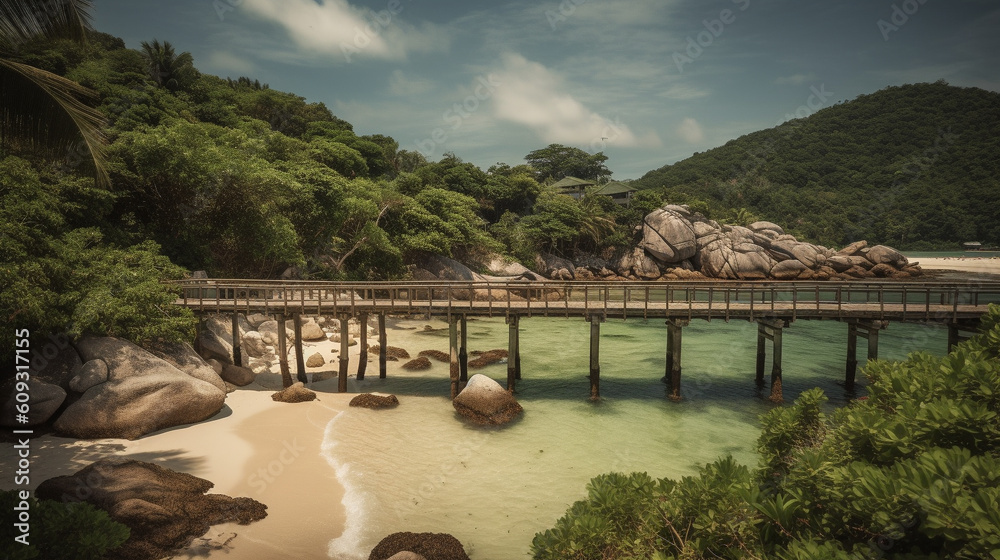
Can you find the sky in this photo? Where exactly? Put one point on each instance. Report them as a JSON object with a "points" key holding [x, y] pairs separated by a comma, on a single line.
{"points": [[646, 82]]}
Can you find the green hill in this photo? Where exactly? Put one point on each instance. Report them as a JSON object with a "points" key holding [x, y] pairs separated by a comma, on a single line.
{"points": [[912, 166]]}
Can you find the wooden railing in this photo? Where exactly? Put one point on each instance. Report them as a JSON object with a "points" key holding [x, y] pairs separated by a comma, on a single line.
{"points": [[917, 301]]}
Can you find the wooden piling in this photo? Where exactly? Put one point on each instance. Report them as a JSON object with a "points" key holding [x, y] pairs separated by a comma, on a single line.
{"points": [[953, 337], [300, 360], [873, 340], [852, 356], [776, 393], [517, 354], [345, 338], [363, 359], [286, 376], [595, 356], [237, 351], [463, 355], [454, 369], [512, 323], [761, 354], [674, 327], [382, 341]]}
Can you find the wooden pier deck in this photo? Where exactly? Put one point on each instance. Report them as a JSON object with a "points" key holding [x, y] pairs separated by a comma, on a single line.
{"points": [[867, 307]]}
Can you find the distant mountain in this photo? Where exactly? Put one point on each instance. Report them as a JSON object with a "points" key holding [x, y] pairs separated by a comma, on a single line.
{"points": [[914, 166]]}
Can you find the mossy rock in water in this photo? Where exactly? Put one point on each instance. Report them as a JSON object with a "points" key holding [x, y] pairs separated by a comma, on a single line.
{"points": [[391, 352], [432, 546], [486, 358], [417, 364], [485, 402], [371, 400], [437, 355]]}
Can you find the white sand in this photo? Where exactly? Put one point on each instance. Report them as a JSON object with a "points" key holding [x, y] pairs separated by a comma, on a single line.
{"points": [[984, 265]]}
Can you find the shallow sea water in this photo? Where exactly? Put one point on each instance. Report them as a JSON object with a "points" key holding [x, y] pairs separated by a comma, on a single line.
{"points": [[421, 468]]}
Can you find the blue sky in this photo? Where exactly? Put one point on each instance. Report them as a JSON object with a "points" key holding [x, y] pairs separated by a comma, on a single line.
{"points": [[648, 82]]}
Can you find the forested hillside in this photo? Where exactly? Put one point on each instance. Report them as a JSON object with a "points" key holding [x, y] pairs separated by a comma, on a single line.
{"points": [[912, 166]]}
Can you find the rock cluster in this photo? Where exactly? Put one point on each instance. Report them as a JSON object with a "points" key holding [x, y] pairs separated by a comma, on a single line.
{"points": [[295, 393], [431, 546], [484, 401], [163, 509], [128, 391], [678, 244]]}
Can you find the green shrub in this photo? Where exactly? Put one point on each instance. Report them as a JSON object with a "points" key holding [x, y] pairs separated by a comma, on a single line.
{"points": [[913, 471], [58, 530]]}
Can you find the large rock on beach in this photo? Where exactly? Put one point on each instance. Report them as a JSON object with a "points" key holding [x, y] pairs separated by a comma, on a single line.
{"points": [[183, 357], [90, 374], [143, 393], [237, 375], [880, 254], [212, 346], [432, 546], [163, 509], [269, 333], [312, 331], [484, 401], [668, 235], [253, 344]]}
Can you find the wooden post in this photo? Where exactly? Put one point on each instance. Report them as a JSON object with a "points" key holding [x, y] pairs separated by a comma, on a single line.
{"points": [[345, 337], [873, 342], [517, 353], [382, 341], [953, 337], [852, 356], [511, 351], [286, 376], [674, 327], [463, 355], [761, 354], [300, 360], [454, 370], [363, 360], [595, 356], [776, 394], [237, 352]]}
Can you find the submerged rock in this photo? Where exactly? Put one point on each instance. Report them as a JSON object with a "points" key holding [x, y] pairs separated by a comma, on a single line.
{"points": [[484, 401], [432, 546], [163, 509], [374, 401]]}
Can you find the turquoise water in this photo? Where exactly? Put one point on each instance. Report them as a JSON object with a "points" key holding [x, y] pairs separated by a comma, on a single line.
{"points": [[419, 467]]}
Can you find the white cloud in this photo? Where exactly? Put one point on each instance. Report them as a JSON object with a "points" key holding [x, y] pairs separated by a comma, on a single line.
{"points": [[531, 95], [335, 27], [690, 131], [795, 79]]}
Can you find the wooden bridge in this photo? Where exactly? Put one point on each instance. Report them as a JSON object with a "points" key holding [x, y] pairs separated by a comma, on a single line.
{"points": [[866, 307]]}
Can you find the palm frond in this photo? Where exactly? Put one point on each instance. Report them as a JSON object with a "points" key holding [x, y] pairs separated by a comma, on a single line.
{"points": [[43, 111], [23, 20]]}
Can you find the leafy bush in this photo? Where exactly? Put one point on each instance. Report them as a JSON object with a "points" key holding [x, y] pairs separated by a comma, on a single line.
{"points": [[70, 531], [911, 472]]}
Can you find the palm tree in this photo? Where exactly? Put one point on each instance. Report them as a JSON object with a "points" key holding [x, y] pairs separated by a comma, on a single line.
{"points": [[166, 68], [40, 110]]}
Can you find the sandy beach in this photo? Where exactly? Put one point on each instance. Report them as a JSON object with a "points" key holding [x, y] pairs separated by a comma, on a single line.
{"points": [[982, 265]]}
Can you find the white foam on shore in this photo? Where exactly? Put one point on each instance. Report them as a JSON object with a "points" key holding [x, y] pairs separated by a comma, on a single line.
{"points": [[349, 544]]}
